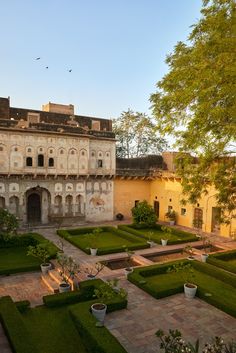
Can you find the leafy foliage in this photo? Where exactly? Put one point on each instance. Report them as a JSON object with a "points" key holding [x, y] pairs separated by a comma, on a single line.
{"points": [[195, 102], [174, 343], [143, 213], [40, 251], [8, 223], [136, 135]]}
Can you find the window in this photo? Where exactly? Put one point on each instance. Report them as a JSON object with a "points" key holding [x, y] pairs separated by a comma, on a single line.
{"points": [[51, 162], [72, 152], [33, 118], [100, 163], [51, 151], [15, 149], [40, 160], [82, 153], [99, 154], [29, 150], [61, 151], [170, 208], [29, 162], [183, 211], [93, 154], [107, 154], [136, 203]]}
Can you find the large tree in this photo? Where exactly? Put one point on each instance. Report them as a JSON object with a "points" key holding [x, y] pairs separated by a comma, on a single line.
{"points": [[195, 102], [136, 135]]}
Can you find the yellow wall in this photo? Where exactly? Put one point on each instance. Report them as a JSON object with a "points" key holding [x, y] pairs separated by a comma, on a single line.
{"points": [[168, 192], [126, 192]]}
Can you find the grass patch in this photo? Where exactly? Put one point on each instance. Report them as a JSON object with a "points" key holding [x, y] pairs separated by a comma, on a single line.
{"points": [[225, 260], [14, 259], [176, 237], [110, 240], [62, 328], [209, 279]]}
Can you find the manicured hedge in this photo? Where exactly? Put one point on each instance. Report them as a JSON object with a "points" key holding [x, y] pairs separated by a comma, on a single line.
{"points": [[22, 305], [96, 339], [18, 241], [138, 243], [222, 259], [15, 328], [137, 230], [222, 294], [86, 292]]}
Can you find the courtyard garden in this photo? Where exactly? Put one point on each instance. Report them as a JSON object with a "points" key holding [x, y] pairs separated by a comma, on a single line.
{"points": [[42, 329], [106, 240], [214, 285], [14, 249], [156, 233], [225, 260]]}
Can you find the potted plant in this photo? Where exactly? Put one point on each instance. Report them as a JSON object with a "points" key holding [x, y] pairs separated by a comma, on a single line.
{"points": [[186, 271], [128, 269], [104, 293], [41, 253], [189, 251], [166, 235], [171, 215], [150, 241], [68, 269], [206, 246], [93, 241], [119, 216], [93, 271]]}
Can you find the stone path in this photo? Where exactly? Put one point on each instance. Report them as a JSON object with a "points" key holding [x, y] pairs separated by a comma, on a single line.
{"points": [[134, 327]]}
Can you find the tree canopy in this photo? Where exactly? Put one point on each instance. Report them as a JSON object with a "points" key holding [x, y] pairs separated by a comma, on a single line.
{"points": [[137, 135], [196, 103]]}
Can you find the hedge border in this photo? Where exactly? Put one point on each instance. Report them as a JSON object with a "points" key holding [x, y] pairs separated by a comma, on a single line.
{"points": [[218, 260], [139, 274], [67, 235]]}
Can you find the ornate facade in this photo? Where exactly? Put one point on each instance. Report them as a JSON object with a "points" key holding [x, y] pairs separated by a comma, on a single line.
{"points": [[55, 165]]}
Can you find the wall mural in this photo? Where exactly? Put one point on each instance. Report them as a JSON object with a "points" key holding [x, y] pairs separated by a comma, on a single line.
{"points": [[97, 203]]}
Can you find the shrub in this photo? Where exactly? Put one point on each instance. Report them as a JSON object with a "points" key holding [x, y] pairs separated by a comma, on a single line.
{"points": [[143, 213], [8, 223], [14, 327]]}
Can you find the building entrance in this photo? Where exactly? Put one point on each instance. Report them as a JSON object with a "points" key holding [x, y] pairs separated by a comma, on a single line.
{"points": [[34, 208]]}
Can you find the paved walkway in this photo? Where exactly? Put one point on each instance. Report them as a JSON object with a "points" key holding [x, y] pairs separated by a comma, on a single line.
{"points": [[134, 327]]}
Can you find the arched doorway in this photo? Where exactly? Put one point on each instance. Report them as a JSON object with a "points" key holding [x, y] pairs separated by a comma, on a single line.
{"points": [[34, 208]]}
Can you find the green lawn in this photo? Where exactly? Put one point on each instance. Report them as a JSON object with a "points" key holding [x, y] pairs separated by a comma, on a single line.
{"points": [[225, 260], [15, 260], [176, 236], [13, 255], [110, 240], [214, 285], [53, 330]]}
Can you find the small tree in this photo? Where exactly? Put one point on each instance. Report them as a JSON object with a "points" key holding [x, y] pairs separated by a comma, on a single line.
{"points": [[68, 267], [8, 224], [143, 213]]}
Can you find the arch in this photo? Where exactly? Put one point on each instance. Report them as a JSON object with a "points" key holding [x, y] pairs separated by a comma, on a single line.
{"points": [[2, 202], [79, 202], [14, 205], [58, 205], [34, 208], [69, 205]]}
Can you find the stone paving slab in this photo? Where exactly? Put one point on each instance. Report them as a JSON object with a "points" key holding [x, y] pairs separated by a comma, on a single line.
{"points": [[135, 327]]}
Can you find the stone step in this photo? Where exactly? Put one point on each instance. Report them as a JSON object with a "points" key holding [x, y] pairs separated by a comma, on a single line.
{"points": [[55, 276], [50, 283]]}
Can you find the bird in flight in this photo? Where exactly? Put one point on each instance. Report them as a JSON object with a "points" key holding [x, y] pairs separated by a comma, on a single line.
{"points": [[38, 58], [70, 70], [46, 67]]}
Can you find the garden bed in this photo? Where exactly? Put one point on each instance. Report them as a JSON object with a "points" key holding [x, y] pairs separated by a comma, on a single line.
{"points": [[110, 240], [215, 286], [42, 329], [225, 260], [13, 253], [176, 236]]}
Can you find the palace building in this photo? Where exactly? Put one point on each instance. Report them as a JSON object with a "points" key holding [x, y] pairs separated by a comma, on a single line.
{"points": [[55, 164], [57, 167]]}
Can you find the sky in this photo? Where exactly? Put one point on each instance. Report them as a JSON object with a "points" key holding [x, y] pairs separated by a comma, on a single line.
{"points": [[116, 50]]}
